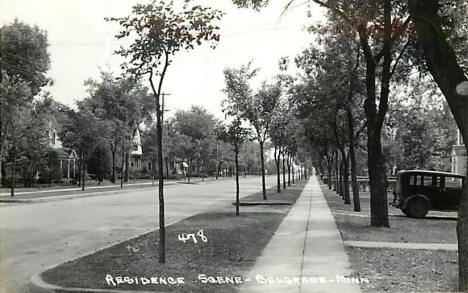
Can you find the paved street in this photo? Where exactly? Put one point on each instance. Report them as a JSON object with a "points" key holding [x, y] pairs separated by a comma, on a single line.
{"points": [[36, 236]]}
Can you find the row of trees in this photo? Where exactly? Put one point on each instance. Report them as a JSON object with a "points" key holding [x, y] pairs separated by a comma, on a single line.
{"points": [[388, 43]]}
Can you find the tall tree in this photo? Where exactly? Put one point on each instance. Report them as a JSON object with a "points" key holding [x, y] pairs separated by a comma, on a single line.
{"points": [[256, 108], [158, 31], [195, 129], [24, 60], [83, 132], [123, 103], [446, 69]]}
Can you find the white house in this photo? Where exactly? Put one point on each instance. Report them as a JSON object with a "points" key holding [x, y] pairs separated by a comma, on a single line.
{"points": [[459, 156]]}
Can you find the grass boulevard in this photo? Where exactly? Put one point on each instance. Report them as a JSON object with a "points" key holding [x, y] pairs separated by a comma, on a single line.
{"points": [[403, 269], [208, 252]]}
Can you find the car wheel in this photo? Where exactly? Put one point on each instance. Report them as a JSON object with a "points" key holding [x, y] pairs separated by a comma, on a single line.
{"points": [[418, 208]]}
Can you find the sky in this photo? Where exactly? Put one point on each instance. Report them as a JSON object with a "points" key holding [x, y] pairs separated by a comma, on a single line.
{"points": [[81, 44]]}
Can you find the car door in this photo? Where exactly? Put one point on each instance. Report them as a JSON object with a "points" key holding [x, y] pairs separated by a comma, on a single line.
{"points": [[453, 191], [432, 189]]}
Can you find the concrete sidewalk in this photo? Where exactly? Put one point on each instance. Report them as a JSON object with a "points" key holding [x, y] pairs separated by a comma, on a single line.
{"points": [[306, 254]]}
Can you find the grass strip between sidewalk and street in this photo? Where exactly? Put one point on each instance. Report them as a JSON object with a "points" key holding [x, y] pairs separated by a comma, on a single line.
{"points": [[233, 244], [398, 270]]}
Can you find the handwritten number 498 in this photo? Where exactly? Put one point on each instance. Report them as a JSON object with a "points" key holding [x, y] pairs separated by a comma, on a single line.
{"points": [[184, 237]]}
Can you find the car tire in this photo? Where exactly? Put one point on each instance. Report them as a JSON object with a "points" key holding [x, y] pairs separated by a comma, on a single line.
{"points": [[417, 207]]}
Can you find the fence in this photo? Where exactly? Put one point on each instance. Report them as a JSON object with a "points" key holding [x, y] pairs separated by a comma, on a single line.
{"points": [[364, 183]]}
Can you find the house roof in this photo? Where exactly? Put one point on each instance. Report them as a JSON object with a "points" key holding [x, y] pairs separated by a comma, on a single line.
{"points": [[65, 153]]}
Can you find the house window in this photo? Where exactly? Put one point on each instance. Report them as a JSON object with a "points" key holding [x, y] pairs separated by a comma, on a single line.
{"points": [[135, 147]]}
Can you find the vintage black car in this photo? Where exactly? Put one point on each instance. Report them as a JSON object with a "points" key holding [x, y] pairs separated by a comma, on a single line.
{"points": [[418, 191]]}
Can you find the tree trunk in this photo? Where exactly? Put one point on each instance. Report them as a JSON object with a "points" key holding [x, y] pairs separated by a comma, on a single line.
{"points": [[13, 178], [83, 172], [289, 170], [336, 173], [123, 161], [113, 152], [462, 234], [377, 181], [189, 173], [3, 173], [340, 184], [284, 174], [278, 176], [444, 68], [127, 165], [1, 158], [167, 168], [237, 180], [355, 185], [293, 171], [347, 199], [262, 160], [375, 119], [352, 157]]}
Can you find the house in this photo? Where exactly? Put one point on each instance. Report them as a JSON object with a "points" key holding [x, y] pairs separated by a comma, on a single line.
{"points": [[136, 151], [459, 156], [67, 157]]}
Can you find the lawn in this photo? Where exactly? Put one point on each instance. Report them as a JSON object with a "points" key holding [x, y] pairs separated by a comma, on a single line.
{"points": [[398, 270]]}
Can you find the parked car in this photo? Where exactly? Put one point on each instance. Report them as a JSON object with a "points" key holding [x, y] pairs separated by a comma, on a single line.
{"points": [[418, 191]]}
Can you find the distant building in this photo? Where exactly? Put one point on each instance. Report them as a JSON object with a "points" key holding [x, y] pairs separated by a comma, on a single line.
{"points": [[66, 157], [459, 156], [136, 151]]}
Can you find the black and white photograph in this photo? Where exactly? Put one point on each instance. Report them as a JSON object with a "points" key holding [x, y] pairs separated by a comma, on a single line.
{"points": [[233, 146]]}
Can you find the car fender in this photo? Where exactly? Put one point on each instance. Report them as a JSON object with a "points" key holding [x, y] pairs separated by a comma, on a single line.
{"points": [[407, 201]]}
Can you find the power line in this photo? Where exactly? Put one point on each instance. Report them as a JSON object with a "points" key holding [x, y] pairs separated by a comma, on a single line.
{"points": [[18, 68]]}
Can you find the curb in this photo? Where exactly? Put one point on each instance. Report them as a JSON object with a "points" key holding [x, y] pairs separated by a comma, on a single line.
{"points": [[38, 285], [70, 196], [97, 193]]}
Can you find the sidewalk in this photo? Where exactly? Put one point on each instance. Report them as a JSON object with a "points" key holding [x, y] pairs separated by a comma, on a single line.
{"points": [[306, 254]]}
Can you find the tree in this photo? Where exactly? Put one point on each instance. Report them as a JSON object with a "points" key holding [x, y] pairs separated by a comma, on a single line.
{"points": [[158, 32], [195, 130], [383, 38], [235, 135], [278, 134], [123, 103], [256, 108], [24, 61], [28, 144], [83, 132], [443, 64]]}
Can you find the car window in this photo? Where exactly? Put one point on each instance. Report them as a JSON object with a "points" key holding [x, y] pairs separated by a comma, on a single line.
{"points": [[415, 180], [429, 180], [453, 182], [418, 180]]}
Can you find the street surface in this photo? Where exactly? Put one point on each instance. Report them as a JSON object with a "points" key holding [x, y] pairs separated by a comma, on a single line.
{"points": [[36, 236]]}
